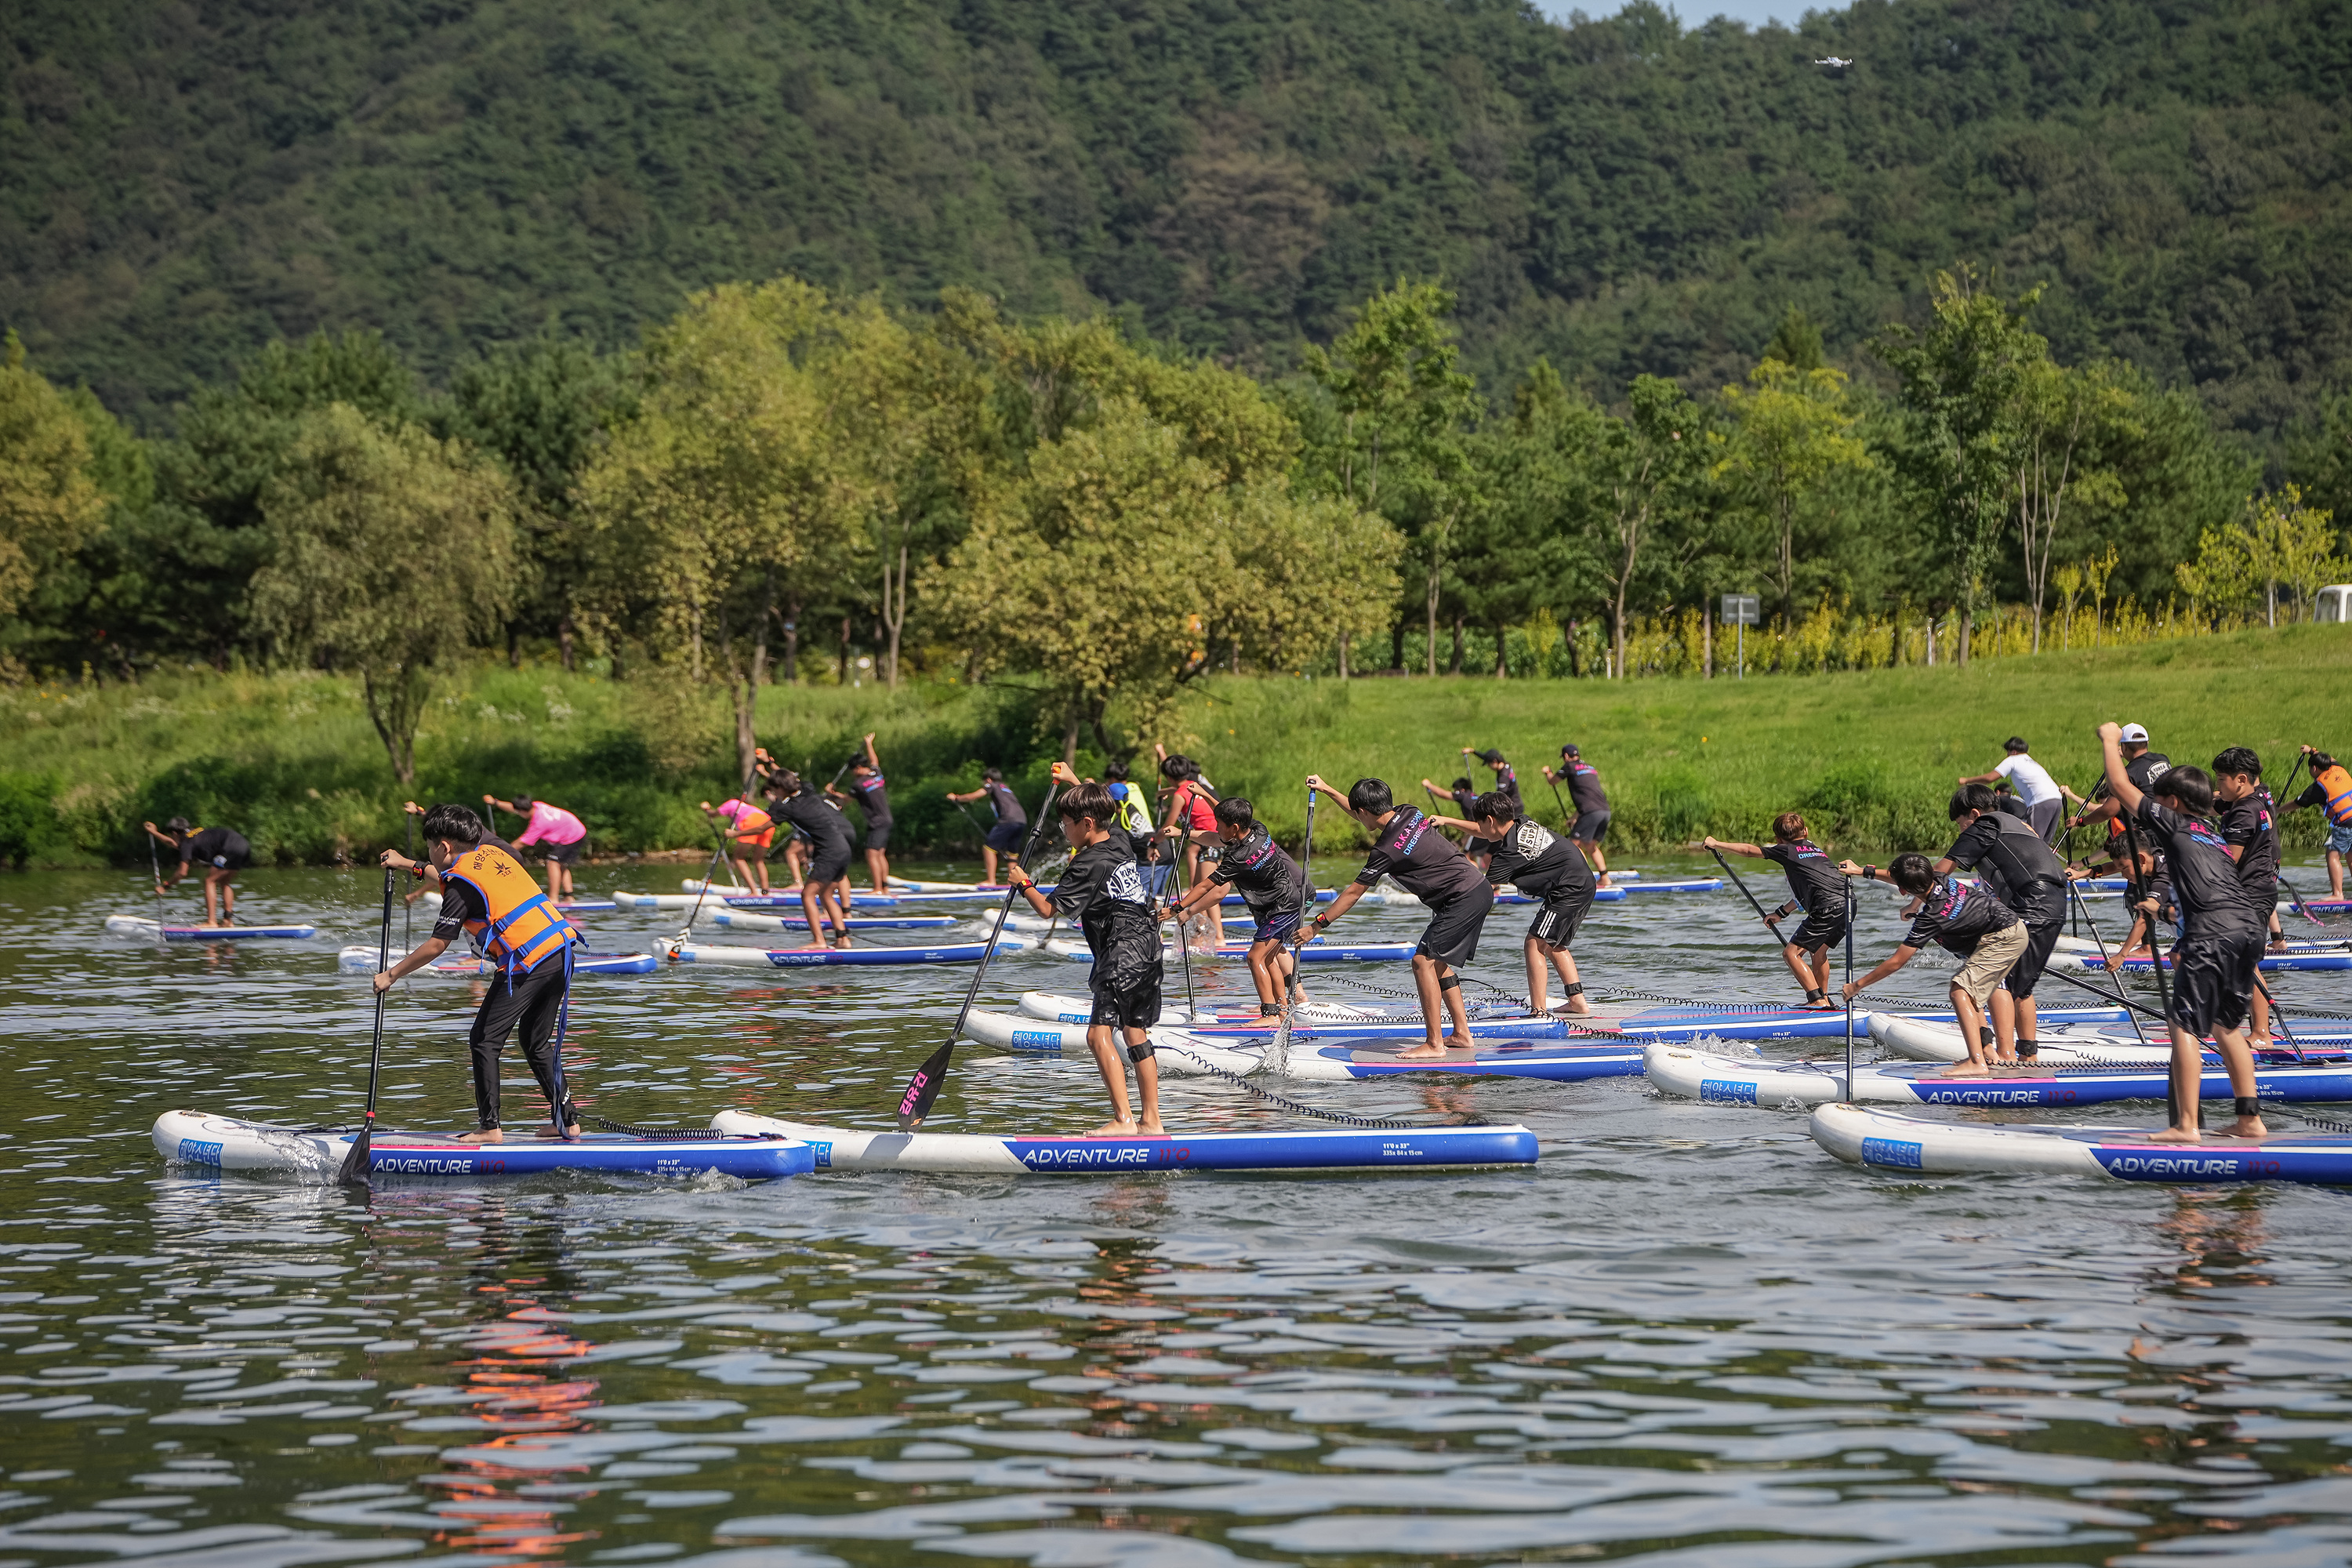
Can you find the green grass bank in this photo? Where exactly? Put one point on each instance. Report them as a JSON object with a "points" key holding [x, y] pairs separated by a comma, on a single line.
{"points": [[291, 761]]}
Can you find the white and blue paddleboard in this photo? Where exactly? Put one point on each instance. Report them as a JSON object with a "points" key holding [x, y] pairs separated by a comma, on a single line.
{"points": [[1930, 1038], [2272, 962], [1883, 1140], [746, 899], [361, 960], [224, 1143], [1313, 1149], [157, 931], [817, 957], [1722, 1081], [752, 920], [1320, 950]]}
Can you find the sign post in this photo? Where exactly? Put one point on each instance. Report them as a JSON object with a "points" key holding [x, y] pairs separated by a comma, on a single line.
{"points": [[1739, 610]]}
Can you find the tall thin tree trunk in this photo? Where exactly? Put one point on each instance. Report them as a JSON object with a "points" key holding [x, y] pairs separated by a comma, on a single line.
{"points": [[1617, 632], [564, 635], [1396, 645], [1454, 665], [842, 679], [1433, 618], [1502, 642], [759, 632], [1343, 655], [514, 646], [791, 641], [1070, 740], [895, 612]]}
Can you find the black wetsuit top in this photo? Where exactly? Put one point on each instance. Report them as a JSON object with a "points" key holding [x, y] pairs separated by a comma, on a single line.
{"points": [[1539, 862], [1815, 880], [1103, 889], [1267, 878], [2022, 872], [2213, 901]]}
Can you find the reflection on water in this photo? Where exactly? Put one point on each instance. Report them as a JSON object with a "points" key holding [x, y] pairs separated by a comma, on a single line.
{"points": [[1686, 1338]]}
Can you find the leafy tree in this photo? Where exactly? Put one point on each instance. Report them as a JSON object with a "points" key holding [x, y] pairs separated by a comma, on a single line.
{"points": [[1789, 432], [1527, 549], [2279, 541], [1646, 468], [48, 501], [359, 516]]}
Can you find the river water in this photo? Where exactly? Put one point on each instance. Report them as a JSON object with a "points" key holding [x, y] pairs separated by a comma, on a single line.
{"points": [[1687, 1336]]}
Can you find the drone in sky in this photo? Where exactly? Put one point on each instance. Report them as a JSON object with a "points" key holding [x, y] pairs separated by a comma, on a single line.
{"points": [[1833, 61]]}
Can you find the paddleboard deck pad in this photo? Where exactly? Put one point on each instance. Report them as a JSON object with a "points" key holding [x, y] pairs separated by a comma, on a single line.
{"points": [[1312, 1149], [153, 930], [1883, 1140], [462, 966], [1722, 1081], [225, 1143]]}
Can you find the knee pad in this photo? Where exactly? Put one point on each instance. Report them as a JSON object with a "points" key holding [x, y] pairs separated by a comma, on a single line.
{"points": [[1140, 1054]]}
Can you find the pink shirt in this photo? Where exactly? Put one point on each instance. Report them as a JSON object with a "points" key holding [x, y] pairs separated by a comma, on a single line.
{"points": [[552, 824]]}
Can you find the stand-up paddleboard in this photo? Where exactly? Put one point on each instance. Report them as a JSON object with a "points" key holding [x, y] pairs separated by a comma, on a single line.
{"points": [[1672, 1021], [712, 904], [225, 1143], [1319, 950], [470, 966], [1722, 1080], [2082, 945], [1056, 1008], [2272, 962], [431, 899], [802, 957], [156, 930], [1928, 1038], [1886, 1141], [752, 920], [1313, 1149], [1038, 925], [1018, 1033]]}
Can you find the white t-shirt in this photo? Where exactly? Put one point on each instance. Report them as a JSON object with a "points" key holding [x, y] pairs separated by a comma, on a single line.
{"points": [[2033, 781]]}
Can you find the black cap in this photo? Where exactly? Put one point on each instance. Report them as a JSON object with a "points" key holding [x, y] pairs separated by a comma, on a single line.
{"points": [[1490, 755], [1569, 751]]}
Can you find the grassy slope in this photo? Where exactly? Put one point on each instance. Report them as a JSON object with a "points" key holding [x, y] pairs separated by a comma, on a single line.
{"points": [[1871, 756]]}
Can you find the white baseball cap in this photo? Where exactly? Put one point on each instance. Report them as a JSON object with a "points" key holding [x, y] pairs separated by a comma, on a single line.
{"points": [[2136, 733]]}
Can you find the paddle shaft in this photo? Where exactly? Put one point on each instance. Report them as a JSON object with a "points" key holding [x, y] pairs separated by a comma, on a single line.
{"points": [[1742, 886], [2301, 908], [2173, 1086], [1567, 822], [355, 1162], [155, 865], [1282, 1027], [2131, 1009], [408, 909], [923, 1089], [719, 854], [1850, 912]]}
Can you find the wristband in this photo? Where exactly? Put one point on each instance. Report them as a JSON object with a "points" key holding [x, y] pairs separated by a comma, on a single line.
{"points": [[1870, 873]]}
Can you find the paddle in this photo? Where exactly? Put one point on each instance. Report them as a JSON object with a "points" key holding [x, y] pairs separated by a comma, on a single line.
{"points": [[2276, 1012], [156, 866], [1278, 1059], [1849, 995], [2301, 908], [356, 1164], [923, 1089], [1567, 822], [1770, 920], [718, 854], [2083, 905], [2163, 991], [408, 909]]}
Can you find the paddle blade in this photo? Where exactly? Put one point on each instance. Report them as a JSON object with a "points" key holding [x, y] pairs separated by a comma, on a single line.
{"points": [[354, 1172], [924, 1088]]}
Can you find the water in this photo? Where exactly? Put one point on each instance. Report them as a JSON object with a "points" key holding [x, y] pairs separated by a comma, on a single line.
{"points": [[1686, 1338]]}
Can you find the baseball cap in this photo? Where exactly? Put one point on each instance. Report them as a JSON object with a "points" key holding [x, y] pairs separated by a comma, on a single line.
{"points": [[2136, 733], [1569, 751], [1490, 755]]}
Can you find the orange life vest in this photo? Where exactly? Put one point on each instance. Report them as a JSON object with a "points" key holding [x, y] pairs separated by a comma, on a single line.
{"points": [[2336, 785], [523, 927]]}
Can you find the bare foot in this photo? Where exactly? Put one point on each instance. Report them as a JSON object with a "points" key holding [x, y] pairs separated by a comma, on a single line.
{"points": [[1427, 1049], [486, 1135], [1115, 1130], [2246, 1127], [1152, 1129], [1579, 1007], [570, 1134], [2174, 1135], [1966, 1070]]}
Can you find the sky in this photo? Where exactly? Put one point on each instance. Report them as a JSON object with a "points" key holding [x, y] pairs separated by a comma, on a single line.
{"points": [[1755, 13]]}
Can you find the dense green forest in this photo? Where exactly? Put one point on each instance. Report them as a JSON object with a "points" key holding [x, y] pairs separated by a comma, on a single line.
{"points": [[183, 183]]}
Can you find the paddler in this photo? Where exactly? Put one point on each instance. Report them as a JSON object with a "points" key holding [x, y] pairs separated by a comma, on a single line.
{"points": [[1135, 821], [2331, 786], [1972, 923], [871, 791], [558, 835], [2216, 963], [1192, 809], [1425, 864], [2045, 802], [2023, 872], [1816, 889], [1272, 887], [1103, 889], [1544, 866], [1005, 833], [747, 832], [221, 851], [486, 893], [825, 895], [1590, 801], [795, 851], [2249, 834], [2144, 768]]}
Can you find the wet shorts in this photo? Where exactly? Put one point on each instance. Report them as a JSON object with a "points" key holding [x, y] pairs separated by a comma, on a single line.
{"points": [[877, 833], [759, 840], [562, 854], [1554, 924], [1591, 827], [2213, 980], [828, 862], [1454, 926], [2040, 940], [1135, 1006], [1276, 925], [1996, 954], [1004, 838], [1822, 927], [2339, 838]]}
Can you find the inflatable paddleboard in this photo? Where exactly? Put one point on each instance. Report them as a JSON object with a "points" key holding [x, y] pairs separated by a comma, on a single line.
{"points": [[1636, 1021], [1886, 1141], [225, 1143], [747, 900], [1320, 950], [1718, 1079], [2083, 944], [156, 930], [1311, 1149], [469, 966], [800, 957], [2272, 962], [430, 898], [1038, 925], [1930, 1039], [752, 920]]}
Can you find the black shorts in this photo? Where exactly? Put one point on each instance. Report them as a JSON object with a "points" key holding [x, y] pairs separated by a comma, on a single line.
{"points": [[1591, 827], [877, 833], [2213, 980], [1004, 838], [828, 862], [1822, 927], [1451, 938], [563, 854], [2040, 940], [1135, 1006], [1554, 924], [1276, 925]]}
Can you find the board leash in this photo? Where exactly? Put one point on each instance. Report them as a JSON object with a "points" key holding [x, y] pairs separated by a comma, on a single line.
{"points": [[651, 1135], [1299, 1106]]}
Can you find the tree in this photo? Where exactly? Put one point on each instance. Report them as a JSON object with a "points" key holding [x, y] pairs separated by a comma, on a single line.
{"points": [[1401, 409], [48, 502], [390, 552], [2278, 541], [2061, 417], [1643, 467], [1790, 433], [1525, 550]]}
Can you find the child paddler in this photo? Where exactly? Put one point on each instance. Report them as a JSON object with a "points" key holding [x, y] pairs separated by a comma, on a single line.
{"points": [[1425, 864], [825, 895], [1103, 889], [2330, 786], [1542, 865], [747, 832], [558, 835], [487, 893], [1969, 921], [1591, 803], [1005, 833], [2215, 964], [1816, 889], [221, 851], [2249, 824], [2023, 872], [1272, 887], [871, 791]]}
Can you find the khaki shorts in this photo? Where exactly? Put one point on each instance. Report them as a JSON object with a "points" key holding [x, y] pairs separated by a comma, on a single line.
{"points": [[1989, 965]]}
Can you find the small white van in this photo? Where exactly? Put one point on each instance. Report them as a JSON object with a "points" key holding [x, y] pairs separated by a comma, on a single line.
{"points": [[2335, 603]]}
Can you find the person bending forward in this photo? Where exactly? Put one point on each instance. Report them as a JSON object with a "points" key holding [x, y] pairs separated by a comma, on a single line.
{"points": [[1271, 885], [1548, 867], [1972, 923]]}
